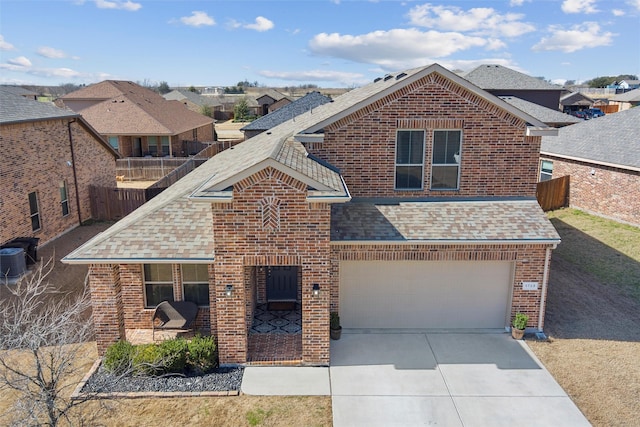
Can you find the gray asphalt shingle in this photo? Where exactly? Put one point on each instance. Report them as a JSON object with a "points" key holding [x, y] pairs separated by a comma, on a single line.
{"points": [[15, 109], [297, 107], [613, 139], [491, 76]]}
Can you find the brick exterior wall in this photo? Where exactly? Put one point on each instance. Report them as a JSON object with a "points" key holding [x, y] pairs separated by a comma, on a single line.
{"points": [[529, 266], [302, 239], [496, 158], [107, 305], [35, 156], [609, 192]]}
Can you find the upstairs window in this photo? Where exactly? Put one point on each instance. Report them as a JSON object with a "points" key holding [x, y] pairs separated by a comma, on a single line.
{"points": [[158, 284], [445, 167], [195, 283], [546, 170], [409, 159], [152, 143], [34, 211], [64, 198]]}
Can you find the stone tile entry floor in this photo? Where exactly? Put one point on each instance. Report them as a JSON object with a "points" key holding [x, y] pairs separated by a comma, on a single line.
{"points": [[267, 321]]}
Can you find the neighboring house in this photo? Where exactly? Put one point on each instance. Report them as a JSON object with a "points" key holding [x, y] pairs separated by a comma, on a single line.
{"points": [[603, 159], [50, 157], [575, 101], [406, 203], [503, 81], [626, 100], [552, 118], [625, 85], [194, 102], [138, 122], [289, 111], [228, 102], [20, 91], [270, 100]]}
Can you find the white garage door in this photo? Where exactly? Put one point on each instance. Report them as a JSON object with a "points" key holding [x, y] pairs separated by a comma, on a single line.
{"points": [[424, 294]]}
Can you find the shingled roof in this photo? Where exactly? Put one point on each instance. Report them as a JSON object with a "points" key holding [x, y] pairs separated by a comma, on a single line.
{"points": [[544, 114], [15, 109], [176, 227], [497, 77], [130, 109], [297, 107], [610, 140]]}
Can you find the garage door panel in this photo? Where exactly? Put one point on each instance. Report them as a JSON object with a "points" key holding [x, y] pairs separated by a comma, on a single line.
{"points": [[424, 294]]}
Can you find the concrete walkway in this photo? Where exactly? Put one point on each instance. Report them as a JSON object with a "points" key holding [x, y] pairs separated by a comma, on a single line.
{"points": [[411, 379]]}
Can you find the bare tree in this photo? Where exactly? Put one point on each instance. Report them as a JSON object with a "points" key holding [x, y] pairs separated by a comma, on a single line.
{"points": [[40, 336]]}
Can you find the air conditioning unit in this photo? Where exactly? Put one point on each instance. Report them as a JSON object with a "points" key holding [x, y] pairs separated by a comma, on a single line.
{"points": [[12, 263]]}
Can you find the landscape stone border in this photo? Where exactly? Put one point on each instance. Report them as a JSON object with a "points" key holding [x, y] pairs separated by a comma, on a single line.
{"points": [[78, 394]]}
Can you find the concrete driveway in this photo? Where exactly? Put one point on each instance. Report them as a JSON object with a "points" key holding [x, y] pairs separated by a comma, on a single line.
{"points": [[421, 379]]}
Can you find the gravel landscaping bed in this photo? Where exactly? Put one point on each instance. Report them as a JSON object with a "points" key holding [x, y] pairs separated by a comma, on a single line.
{"points": [[223, 379]]}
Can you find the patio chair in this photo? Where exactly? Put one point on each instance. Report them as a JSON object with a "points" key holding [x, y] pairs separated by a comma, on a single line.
{"points": [[178, 315]]}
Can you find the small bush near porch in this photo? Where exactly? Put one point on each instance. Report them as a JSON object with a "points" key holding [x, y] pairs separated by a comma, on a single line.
{"points": [[196, 356]]}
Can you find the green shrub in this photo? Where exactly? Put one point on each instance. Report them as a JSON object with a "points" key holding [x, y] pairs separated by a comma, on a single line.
{"points": [[147, 360], [520, 321], [202, 355], [118, 357], [174, 355]]}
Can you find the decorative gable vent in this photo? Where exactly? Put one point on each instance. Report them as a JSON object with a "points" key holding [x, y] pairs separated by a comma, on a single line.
{"points": [[270, 213]]}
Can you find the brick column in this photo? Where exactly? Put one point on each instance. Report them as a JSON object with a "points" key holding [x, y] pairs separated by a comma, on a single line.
{"points": [[106, 302], [315, 315], [231, 313]]}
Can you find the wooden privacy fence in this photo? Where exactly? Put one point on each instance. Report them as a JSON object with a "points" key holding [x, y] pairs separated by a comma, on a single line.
{"points": [[111, 204], [553, 194]]}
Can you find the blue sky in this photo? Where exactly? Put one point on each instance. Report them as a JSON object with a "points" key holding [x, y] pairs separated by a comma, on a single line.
{"points": [[330, 43]]}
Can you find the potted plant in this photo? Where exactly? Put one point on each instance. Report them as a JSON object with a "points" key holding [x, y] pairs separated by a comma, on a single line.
{"points": [[518, 325], [335, 330]]}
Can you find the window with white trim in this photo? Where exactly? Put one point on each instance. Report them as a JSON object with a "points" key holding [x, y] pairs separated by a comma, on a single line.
{"points": [[409, 159], [64, 198], [152, 143], [546, 170], [445, 165], [195, 283], [34, 211], [158, 284], [164, 141]]}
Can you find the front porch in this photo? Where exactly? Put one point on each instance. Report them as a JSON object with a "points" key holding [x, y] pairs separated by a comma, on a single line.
{"points": [[275, 335]]}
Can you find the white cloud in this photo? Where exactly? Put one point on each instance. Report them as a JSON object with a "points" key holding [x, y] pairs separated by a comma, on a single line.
{"points": [[262, 24], [50, 52], [5, 45], [315, 76], [198, 19], [117, 4], [617, 12], [394, 48], [582, 36], [579, 6], [634, 3], [20, 61], [478, 21], [513, 3]]}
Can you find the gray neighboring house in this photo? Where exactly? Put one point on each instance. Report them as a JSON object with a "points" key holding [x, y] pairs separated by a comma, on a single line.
{"points": [[193, 101], [575, 101], [552, 118], [626, 100], [503, 81], [20, 91], [603, 159], [281, 115]]}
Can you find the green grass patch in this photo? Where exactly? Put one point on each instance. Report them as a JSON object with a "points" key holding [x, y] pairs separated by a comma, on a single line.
{"points": [[606, 249], [258, 416]]}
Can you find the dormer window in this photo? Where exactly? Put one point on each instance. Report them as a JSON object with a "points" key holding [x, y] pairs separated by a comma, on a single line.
{"points": [[409, 159]]}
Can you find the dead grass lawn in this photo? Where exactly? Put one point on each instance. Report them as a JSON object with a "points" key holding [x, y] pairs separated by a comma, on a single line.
{"points": [[593, 317]]}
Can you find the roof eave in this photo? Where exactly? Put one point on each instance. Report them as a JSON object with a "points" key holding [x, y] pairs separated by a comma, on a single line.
{"points": [[541, 131], [81, 261], [553, 242]]}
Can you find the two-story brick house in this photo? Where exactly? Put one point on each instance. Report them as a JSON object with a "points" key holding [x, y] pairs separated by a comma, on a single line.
{"points": [[406, 203], [50, 157], [138, 122]]}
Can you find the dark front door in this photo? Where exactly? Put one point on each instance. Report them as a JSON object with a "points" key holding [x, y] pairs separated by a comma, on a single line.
{"points": [[282, 283]]}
